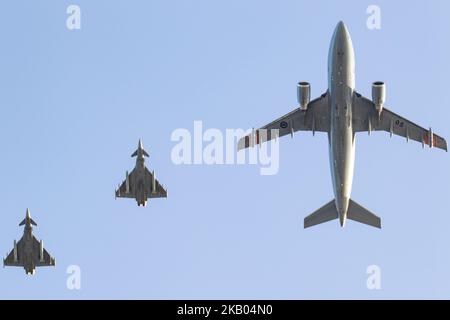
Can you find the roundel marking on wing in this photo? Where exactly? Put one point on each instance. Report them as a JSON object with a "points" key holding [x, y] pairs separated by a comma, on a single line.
{"points": [[283, 124]]}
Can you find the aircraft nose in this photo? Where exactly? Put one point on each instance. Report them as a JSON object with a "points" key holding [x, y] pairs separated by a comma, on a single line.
{"points": [[341, 30]]}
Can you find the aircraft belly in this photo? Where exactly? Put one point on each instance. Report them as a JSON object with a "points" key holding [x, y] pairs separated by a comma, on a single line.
{"points": [[342, 152], [342, 164]]}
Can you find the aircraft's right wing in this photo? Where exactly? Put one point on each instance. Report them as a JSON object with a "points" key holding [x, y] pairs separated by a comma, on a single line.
{"points": [[156, 190], [10, 261], [122, 191], [46, 260], [315, 118], [366, 118]]}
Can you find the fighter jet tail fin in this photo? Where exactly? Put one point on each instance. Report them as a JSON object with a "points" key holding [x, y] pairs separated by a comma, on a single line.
{"points": [[327, 213], [360, 214]]}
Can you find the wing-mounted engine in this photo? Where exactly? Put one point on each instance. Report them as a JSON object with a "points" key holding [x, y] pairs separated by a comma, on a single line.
{"points": [[378, 95], [303, 95]]}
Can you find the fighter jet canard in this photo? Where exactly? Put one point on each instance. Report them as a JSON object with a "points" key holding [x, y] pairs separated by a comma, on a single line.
{"points": [[141, 184], [341, 112], [29, 252]]}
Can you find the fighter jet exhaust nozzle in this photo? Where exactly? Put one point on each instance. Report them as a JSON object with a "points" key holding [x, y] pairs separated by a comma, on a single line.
{"points": [[378, 95], [303, 95]]}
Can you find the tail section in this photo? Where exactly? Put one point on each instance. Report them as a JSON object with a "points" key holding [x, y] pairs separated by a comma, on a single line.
{"points": [[355, 212], [140, 150], [362, 215], [28, 221], [327, 213]]}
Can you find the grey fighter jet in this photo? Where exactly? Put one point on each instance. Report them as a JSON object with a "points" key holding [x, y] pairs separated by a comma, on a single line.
{"points": [[341, 112], [28, 253], [141, 184]]}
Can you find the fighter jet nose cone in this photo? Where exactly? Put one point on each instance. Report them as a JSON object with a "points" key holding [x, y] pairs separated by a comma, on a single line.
{"points": [[341, 25], [28, 213], [341, 29], [140, 144]]}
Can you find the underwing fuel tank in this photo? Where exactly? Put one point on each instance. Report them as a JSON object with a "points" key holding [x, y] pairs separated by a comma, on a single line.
{"points": [[153, 182], [127, 183], [41, 251], [15, 251]]}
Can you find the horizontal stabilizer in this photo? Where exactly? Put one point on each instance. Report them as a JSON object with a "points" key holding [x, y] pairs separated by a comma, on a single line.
{"points": [[327, 213], [362, 215]]}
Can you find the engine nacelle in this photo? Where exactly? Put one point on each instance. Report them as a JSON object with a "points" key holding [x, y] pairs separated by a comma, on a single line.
{"points": [[378, 95], [303, 95]]}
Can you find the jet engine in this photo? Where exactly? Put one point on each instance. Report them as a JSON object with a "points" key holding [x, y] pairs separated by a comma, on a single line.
{"points": [[303, 95], [378, 95]]}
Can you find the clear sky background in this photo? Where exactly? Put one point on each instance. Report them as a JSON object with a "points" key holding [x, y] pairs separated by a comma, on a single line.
{"points": [[75, 103]]}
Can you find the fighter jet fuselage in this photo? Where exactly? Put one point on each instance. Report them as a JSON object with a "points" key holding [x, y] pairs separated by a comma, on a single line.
{"points": [[140, 184], [28, 250]]}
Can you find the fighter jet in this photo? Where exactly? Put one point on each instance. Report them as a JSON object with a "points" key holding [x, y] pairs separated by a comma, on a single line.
{"points": [[141, 184], [341, 112], [28, 253]]}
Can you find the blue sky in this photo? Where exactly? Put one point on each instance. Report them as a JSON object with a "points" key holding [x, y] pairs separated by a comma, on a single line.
{"points": [[74, 104]]}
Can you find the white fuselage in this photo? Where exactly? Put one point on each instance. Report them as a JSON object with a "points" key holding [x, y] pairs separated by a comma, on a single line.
{"points": [[341, 84]]}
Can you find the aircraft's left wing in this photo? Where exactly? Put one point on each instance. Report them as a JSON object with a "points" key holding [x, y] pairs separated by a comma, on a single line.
{"points": [[14, 259], [156, 189], [366, 118], [315, 118], [122, 191], [41, 261]]}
